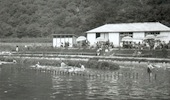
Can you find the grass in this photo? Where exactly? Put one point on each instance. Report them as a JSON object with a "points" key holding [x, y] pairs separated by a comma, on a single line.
{"points": [[9, 44], [38, 45], [145, 53], [44, 45], [26, 40]]}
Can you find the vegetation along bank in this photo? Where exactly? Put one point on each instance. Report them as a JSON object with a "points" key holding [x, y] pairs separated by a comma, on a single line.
{"points": [[88, 63]]}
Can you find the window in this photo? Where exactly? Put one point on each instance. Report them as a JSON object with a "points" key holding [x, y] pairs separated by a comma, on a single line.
{"points": [[97, 35], [69, 36], [123, 34], [54, 36], [152, 33]]}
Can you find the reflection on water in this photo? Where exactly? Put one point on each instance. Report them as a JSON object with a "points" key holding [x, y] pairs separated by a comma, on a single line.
{"points": [[127, 83]]}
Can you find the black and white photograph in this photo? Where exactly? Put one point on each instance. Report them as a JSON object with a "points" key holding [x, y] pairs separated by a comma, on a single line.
{"points": [[84, 49]]}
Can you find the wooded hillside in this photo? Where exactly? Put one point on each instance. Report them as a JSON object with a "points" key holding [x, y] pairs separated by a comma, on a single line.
{"points": [[41, 18]]}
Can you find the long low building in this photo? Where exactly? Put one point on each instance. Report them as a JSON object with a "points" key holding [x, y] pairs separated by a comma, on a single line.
{"points": [[116, 32], [59, 40]]}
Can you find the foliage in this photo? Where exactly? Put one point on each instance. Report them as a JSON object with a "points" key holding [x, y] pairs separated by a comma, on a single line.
{"points": [[94, 63], [41, 18], [51, 62]]}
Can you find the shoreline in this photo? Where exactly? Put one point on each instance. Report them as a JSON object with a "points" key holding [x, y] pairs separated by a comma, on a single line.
{"points": [[86, 57], [114, 59], [122, 62]]}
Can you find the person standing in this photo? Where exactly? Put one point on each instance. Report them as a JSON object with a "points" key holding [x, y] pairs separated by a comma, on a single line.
{"points": [[62, 64], [149, 69], [82, 67], [17, 48]]}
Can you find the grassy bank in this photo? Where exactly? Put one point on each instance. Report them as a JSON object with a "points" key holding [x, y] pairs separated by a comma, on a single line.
{"points": [[38, 45], [9, 44], [34, 48], [164, 53], [26, 40], [44, 46]]}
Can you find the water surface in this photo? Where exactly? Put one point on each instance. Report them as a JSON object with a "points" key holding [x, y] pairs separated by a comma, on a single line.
{"points": [[128, 83]]}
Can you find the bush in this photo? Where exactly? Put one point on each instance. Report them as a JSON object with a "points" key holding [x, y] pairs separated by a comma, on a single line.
{"points": [[92, 63], [108, 65]]}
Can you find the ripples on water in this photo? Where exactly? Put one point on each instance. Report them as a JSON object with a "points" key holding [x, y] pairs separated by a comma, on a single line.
{"points": [[126, 83]]}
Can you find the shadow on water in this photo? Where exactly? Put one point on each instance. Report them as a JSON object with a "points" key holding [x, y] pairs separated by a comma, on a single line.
{"points": [[19, 82]]}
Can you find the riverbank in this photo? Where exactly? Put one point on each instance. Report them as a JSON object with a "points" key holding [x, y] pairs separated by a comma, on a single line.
{"points": [[82, 56], [55, 61], [44, 46], [89, 61]]}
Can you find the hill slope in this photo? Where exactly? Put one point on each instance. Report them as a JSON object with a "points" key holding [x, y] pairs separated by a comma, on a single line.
{"points": [[41, 18]]}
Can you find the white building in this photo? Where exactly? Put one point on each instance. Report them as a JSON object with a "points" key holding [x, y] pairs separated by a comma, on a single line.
{"points": [[138, 31], [60, 40]]}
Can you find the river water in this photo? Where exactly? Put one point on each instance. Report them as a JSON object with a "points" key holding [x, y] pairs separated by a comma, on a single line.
{"points": [[128, 83]]}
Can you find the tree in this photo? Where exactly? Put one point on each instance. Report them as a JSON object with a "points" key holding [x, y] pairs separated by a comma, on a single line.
{"points": [[21, 17]]}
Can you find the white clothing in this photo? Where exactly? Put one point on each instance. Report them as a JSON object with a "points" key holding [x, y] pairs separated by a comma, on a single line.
{"points": [[82, 67], [63, 64]]}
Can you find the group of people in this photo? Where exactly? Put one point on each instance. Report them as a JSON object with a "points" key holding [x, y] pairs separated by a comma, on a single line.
{"points": [[79, 67], [147, 44], [103, 47]]}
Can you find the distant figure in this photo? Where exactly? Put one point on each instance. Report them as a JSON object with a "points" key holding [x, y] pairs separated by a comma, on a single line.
{"points": [[62, 45], [139, 53], [106, 50], [82, 67], [62, 64], [149, 70], [71, 70], [38, 64], [14, 61], [99, 51], [77, 69], [1, 63], [17, 49], [26, 47], [149, 67]]}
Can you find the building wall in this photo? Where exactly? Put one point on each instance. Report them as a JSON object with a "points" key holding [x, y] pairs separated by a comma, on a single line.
{"points": [[167, 38], [54, 42], [114, 37], [91, 37], [57, 41], [105, 36], [138, 36], [71, 42]]}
